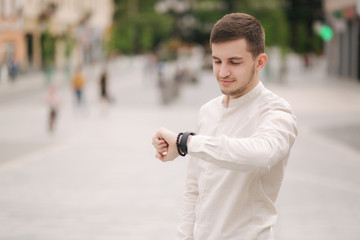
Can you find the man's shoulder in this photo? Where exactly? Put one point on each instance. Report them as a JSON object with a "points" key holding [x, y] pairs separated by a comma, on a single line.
{"points": [[274, 101]]}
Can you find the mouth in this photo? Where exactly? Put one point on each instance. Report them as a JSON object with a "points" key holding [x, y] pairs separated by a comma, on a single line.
{"points": [[226, 83]]}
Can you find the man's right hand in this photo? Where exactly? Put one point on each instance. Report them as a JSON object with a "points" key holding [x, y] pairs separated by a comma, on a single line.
{"points": [[164, 142]]}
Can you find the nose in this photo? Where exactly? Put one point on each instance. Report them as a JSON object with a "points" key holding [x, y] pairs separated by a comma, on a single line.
{"points": [[223, 71]]}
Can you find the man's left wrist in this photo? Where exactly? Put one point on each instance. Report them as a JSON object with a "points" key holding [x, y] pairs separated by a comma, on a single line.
{"points": [[182, 142]]}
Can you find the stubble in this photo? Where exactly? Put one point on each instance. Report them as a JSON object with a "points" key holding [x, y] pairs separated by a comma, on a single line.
{"points": [[240, 91]]}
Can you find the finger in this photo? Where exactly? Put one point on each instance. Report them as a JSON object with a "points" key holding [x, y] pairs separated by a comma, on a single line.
{"points": [[156, 138], [157, 141], [156, 144], [163, 148], [160, 147], [162, 142], [159, 156]]}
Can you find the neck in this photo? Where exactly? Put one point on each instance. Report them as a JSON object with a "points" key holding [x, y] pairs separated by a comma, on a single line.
{"points": [[250, 86]]}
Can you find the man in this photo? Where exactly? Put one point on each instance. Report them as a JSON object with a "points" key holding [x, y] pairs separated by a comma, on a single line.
{"points": [[243, 141]]}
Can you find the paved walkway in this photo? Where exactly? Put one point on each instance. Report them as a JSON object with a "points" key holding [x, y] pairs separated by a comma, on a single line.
{"points": [[97, 178]]}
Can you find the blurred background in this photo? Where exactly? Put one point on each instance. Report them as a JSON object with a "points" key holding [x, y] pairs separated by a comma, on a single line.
{"points": [[85, 84]]}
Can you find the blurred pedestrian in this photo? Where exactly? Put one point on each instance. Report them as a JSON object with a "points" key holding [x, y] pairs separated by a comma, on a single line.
{"points": [[78, 83], [13, 69], [104, 95], [149, 70], [307, 61], [238, 156], [53, 102]]}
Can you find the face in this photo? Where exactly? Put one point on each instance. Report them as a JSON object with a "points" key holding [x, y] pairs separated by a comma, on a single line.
{"points": [[234, 67]]}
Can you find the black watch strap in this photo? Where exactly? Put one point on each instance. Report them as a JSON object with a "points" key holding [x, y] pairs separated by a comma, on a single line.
{"points": [[183, 142]]}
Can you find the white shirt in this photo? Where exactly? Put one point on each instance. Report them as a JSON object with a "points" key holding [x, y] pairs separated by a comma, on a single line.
{"points": [[236, 167]]}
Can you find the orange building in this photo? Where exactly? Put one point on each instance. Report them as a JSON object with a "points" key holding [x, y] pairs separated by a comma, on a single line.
{"points": [[12, 41], [23, 23]]}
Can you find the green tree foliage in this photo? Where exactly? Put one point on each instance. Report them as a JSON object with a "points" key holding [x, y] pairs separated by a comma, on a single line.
{"points": [[48, 49], [301, 15], [137, 27], [272, 16], [270, 12], [206, 13]]}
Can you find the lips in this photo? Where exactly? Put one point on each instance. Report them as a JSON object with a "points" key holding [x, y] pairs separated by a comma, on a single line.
{"points": [[226, 83]]}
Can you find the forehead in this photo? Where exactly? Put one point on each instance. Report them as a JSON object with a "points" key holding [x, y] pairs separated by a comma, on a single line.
{"points": [[230, 49]]}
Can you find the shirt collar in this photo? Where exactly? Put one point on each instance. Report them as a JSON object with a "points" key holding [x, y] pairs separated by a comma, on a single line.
{"points": [[255, 92]]}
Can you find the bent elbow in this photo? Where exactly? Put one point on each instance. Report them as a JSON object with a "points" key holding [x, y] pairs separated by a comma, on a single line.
{"points": [[267, 154]]}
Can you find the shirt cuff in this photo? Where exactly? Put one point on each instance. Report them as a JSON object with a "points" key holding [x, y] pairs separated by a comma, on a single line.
{"points": [[196, 143]]}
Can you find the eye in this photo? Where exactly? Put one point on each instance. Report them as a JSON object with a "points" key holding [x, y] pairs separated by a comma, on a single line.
{"points": [[216, 61], [234, 63]]}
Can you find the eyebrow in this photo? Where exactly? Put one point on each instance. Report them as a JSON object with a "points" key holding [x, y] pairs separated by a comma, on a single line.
{"points": [[231, 58]]}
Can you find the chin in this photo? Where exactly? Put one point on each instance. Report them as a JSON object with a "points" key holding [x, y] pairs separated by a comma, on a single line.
{"points": [[233, 93], [226, 92]]}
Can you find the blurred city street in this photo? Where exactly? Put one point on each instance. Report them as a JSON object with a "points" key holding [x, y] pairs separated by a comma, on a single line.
{"points": [[96, 177]]}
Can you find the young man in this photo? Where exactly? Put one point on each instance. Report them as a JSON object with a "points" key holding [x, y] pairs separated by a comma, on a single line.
{"points": [[242, 143]]}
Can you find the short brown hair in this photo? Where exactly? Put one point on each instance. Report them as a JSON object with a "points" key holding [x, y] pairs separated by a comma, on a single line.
{"points": [[240, 26]]}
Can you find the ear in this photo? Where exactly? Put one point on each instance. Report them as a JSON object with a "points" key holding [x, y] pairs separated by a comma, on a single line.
{"points": [[261, 61]]}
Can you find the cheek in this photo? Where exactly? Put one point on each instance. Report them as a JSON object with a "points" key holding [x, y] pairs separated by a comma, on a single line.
{"points": [[238, 72], [242, 71]]}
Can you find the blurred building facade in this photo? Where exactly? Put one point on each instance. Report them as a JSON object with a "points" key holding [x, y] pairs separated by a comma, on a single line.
{"points": [[12, 43], [343, 51], [77, 27]]}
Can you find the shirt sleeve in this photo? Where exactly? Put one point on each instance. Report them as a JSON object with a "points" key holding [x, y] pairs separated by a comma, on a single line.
{"points": [[186, 227], [270, 143]]}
